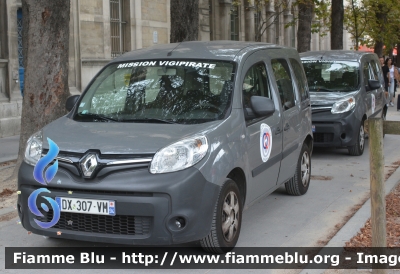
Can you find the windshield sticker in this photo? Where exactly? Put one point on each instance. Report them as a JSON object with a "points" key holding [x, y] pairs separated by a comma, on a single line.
{"points": [[265, 142], [167, 63], [373, 103], [82, 105]]}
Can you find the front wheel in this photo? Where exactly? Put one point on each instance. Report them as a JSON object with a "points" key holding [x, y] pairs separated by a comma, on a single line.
{"points": [[227, 220], [358, 148], [299, 183]]}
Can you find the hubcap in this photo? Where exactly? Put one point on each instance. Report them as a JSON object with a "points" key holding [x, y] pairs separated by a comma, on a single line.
{"points": [[230, 216], [305, 168], [361, 137]]}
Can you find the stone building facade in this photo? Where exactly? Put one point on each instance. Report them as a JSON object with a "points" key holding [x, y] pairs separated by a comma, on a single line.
{"points": [[103, 29]]}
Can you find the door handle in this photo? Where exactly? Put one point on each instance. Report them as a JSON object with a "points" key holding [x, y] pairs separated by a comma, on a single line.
{"points": [[278, 131], [286, 127]]}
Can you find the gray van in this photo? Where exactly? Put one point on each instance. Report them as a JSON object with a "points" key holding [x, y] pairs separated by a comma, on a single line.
{"points": [[346, 88], [168, 144]]}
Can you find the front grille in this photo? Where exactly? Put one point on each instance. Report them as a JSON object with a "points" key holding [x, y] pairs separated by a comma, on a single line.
{"points": [[117, 225], [323, 137], [103, 192]]}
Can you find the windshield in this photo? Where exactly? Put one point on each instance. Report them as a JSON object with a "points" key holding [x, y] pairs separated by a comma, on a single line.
{"points": [[184, 91], [326, 76]]}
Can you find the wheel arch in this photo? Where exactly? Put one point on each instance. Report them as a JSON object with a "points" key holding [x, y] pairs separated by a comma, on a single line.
{"points": [[237, 174], [309, 141]]}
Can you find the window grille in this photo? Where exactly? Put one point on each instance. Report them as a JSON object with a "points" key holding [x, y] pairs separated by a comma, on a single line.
{"points": [[235, 23], [21, 69], [117, 26], [19, 29]]}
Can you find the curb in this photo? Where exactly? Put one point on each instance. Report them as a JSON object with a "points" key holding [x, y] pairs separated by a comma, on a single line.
{"points": [[6, 210], [4, 160], [353, 226]]}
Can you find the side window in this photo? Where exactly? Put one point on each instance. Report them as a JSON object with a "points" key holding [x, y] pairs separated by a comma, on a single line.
{"points": [[366, 71], [284, 82], [255, 83], [375, 69], [301, 79]]}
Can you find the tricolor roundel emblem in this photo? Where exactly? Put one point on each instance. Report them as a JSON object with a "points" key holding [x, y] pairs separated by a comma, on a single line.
{"points": [[265, 141]]}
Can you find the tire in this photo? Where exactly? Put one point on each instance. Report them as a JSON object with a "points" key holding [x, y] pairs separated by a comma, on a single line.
{"points": [[358, 148], [224, 238], [299, 183]]}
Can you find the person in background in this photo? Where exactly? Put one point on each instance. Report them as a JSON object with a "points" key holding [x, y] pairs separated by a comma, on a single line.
{"points": [[398, 84], [391, 75], [382, 60], [396, 76], [385, 71]]}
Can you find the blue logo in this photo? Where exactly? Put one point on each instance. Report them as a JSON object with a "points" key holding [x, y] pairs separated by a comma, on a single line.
{"points": [[43, 176]]}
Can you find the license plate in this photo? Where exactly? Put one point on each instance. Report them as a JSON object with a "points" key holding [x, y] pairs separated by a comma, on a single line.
{"points": [[88, 206], [313, 128]]}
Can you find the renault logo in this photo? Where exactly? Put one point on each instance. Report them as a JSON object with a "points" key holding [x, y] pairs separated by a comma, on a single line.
{"points": [[89, 164]]}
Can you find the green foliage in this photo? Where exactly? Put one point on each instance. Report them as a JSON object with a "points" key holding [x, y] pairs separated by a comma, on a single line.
{"points": [[355, 21], [371, 21], [322, 21]]}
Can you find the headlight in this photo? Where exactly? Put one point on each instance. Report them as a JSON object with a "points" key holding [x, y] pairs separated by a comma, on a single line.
{"points": [[180, 155], [344, 105], [33, 150]]}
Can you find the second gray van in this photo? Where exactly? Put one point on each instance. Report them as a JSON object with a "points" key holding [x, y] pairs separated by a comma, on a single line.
{"points": [[346, 88]]}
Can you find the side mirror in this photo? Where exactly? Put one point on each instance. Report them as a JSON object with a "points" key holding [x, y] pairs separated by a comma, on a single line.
{"points": [[262, 106], [374, 84], [249, 114], [71, 101]]}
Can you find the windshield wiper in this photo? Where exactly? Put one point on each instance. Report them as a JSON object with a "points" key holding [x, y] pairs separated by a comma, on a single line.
{"points": [[150, 120], [97, 116]]}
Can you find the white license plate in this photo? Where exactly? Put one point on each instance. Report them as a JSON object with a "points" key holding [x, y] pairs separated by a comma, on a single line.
{"points": [[89, 206]]}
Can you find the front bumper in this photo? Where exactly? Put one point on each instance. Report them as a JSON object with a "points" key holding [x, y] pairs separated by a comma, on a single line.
{"points": [[335, 130], [147, 206]]}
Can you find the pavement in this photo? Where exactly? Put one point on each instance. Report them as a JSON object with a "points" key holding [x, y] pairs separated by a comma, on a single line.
{"points": [[9, 148]]}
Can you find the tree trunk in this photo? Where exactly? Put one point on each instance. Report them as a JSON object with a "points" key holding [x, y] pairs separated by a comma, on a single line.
{"points": [[337, 24], [45, 37], [378, 48], [380, 19], [390, 50], [184, 20], [304, 30]]}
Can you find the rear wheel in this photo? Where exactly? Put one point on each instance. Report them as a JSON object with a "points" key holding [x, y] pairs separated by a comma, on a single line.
{"points": [[227, 220], [298, 185], [358, 148]]}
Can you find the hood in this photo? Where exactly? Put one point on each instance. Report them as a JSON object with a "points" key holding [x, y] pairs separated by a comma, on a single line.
{"points": [[329, 98], [118, 138]]}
